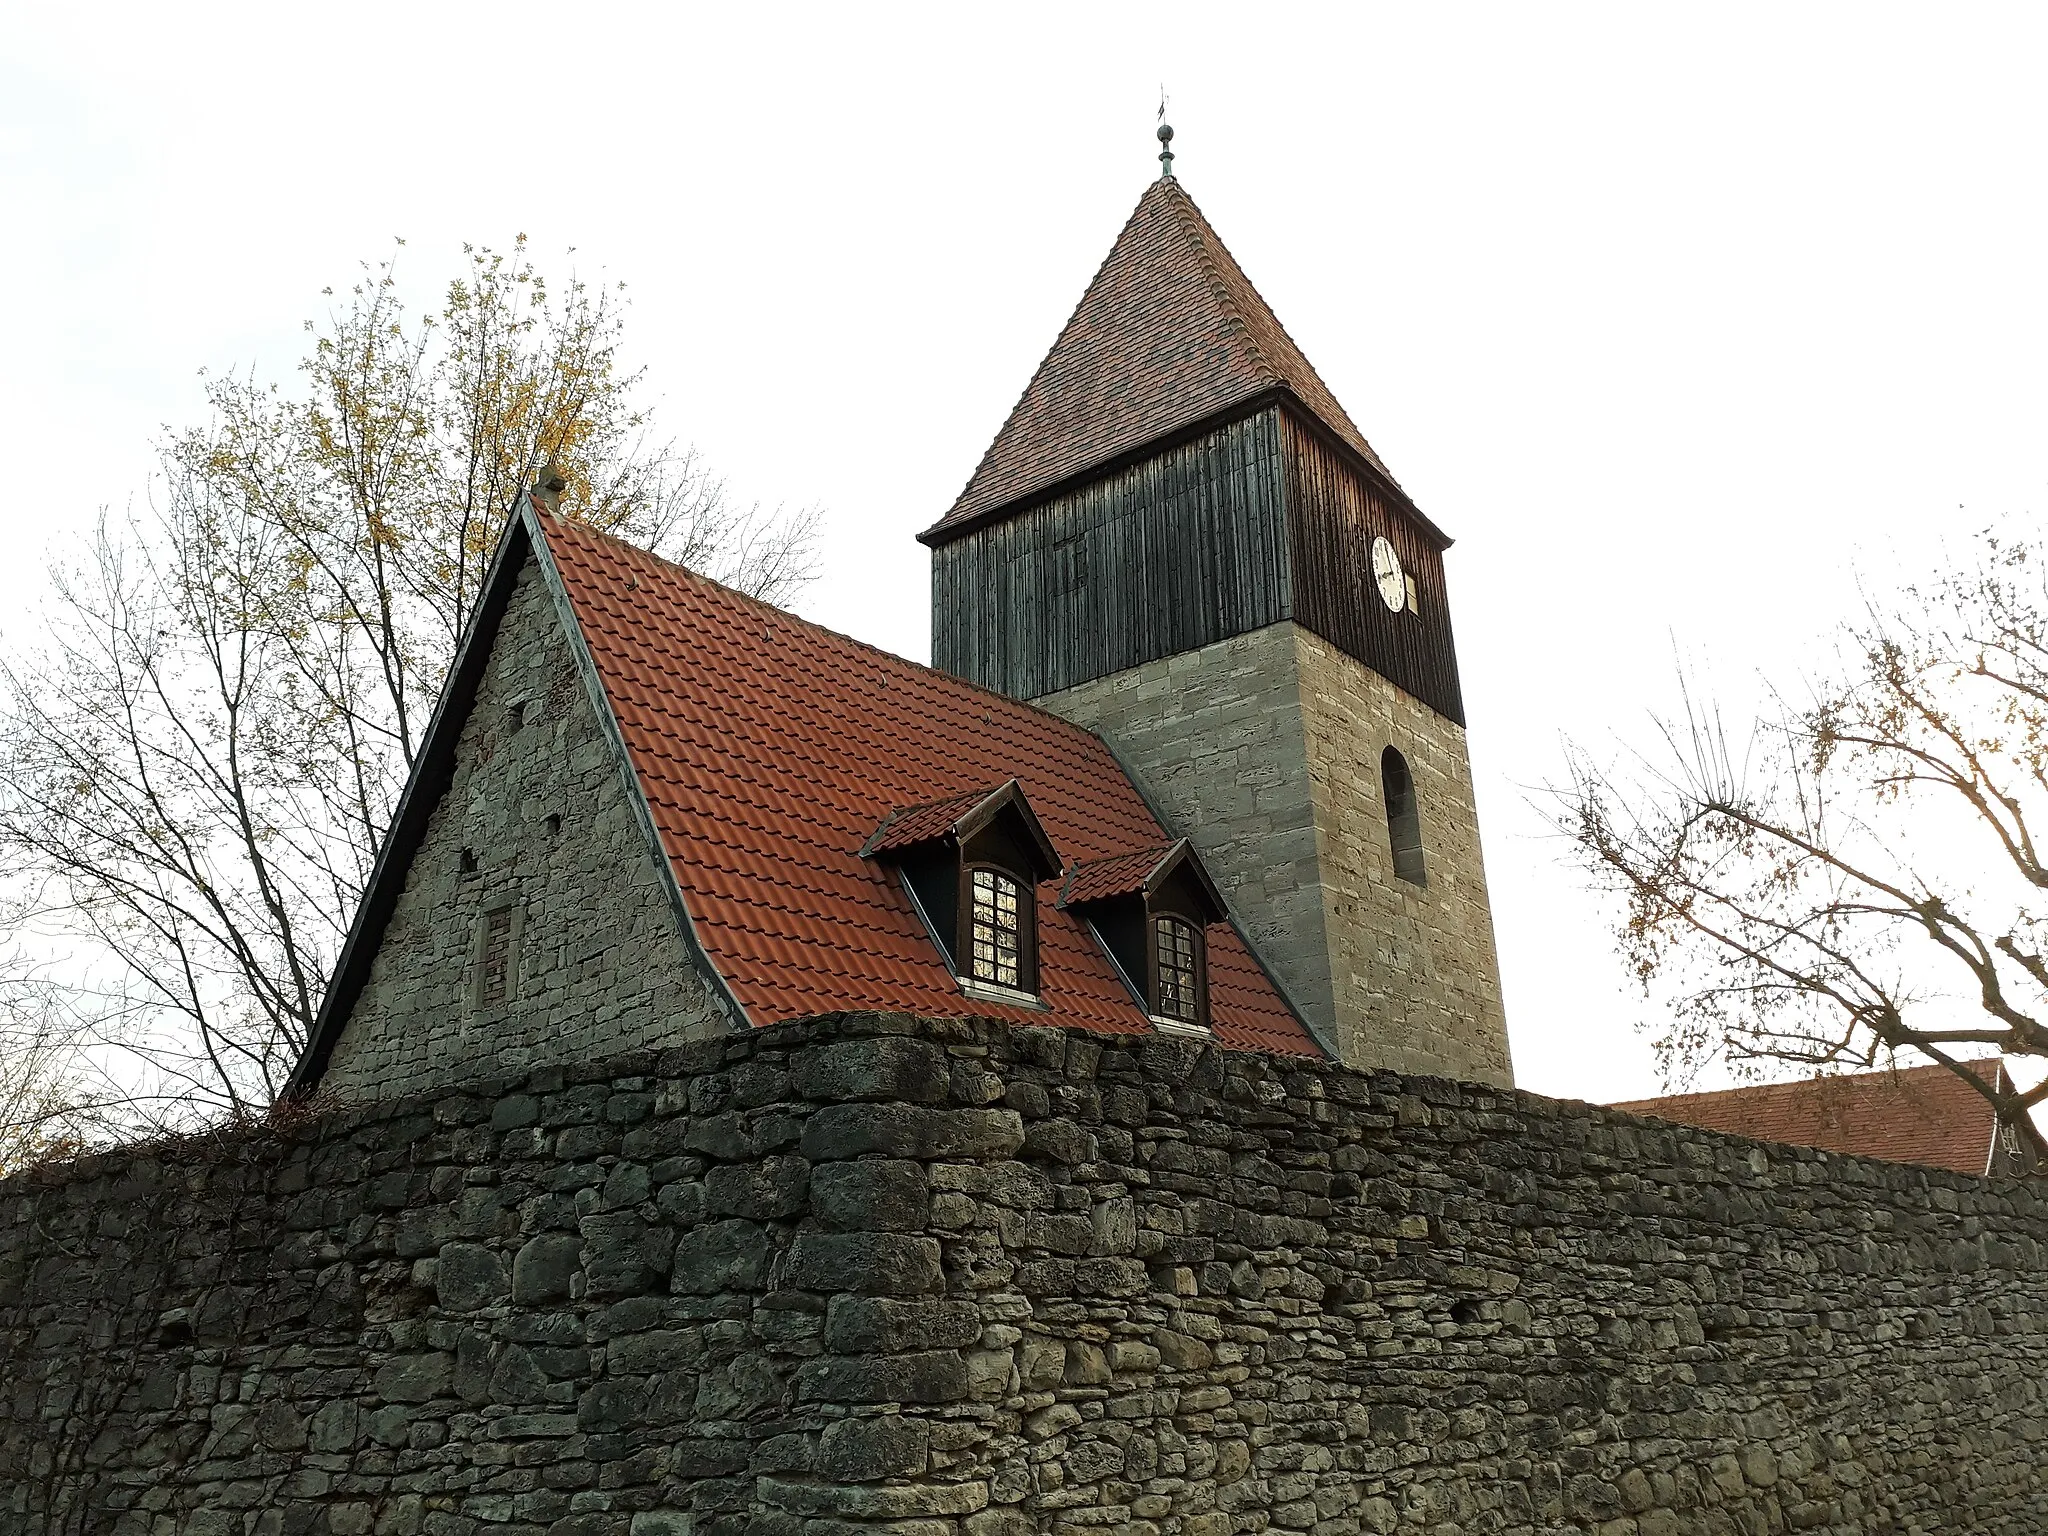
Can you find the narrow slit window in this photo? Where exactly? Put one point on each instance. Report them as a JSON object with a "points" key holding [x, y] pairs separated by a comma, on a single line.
{"points": [[1404, 823], [496, 984], [1177, 953], [995, 941]]}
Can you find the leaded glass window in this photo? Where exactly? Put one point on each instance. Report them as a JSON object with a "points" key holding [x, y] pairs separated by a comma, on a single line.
{"points": [[995, 939], [1177, 946]]}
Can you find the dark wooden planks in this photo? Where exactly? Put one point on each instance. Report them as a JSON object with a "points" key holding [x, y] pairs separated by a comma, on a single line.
{"points": [[1334, 513], [1182, 549], [1258, 520]]}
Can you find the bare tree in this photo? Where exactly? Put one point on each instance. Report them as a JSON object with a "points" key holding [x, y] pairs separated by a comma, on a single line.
{"points": [[207, 732], [1863, 880], [52, 1103]]}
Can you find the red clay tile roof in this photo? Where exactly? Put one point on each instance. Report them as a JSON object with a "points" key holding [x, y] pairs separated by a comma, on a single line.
{"points": [[770, 749], [1170, 333], [1923, 1115], [1118, 876]]}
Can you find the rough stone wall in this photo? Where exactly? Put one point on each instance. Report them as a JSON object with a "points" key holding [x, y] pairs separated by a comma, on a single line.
{"points": [[1264, 750], [1413, 967], [877, 1276], [539, 803]]}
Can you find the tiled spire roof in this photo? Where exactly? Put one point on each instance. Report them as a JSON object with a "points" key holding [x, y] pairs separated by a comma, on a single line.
{"points": [[1169, 333]]}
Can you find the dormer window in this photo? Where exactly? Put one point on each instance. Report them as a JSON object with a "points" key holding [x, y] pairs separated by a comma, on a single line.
{"points": [[1178, 948], [1151, 912], [972, 865], [997, 906]]}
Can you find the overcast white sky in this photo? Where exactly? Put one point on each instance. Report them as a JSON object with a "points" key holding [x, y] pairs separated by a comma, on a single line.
{"points": [[1676, 317]]}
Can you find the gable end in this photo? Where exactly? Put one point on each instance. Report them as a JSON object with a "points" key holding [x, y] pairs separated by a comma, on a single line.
{"points": [[519, 912]]}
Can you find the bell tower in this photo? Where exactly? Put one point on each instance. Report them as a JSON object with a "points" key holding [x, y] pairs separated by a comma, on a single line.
{"points": [[1181, 541]]}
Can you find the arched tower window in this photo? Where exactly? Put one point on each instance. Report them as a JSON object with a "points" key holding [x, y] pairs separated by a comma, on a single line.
{"points": [[1404, 824]]}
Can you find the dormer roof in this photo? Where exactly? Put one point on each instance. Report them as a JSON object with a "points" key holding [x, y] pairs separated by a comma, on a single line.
{"points": [[960, 817], [1141, 874], [1169, 334]]}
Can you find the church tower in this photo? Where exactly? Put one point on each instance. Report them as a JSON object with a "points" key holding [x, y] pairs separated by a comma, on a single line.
{"points": [[1181, 541]]}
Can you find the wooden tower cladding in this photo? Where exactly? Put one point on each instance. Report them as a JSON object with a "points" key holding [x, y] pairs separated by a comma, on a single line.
{"points": [[1236, 527], [1181, 541]]}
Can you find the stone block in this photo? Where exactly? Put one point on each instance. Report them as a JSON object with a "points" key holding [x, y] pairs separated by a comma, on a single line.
{"points": [[1059, 1141], [872, 1195], [1041, 1363], [923, 1377], [879, 1325], [721, 1256], [868, 1263], [855, 1130], [610, 1406], [623, 1254], [415, 1378], [545, 1268], [872, 1501], [655, 1351], [867, 1449], [839, 1131], [763, 1191], [897, 1069], [469, 1277]]}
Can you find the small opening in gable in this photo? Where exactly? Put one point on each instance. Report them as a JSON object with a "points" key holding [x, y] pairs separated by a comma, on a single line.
{"points": [[467, 863], [554, 823], [497, 960]]}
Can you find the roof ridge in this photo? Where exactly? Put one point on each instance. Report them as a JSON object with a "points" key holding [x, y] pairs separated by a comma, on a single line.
{"points": [[1209, 231], [823, 629], [1194, 227]]}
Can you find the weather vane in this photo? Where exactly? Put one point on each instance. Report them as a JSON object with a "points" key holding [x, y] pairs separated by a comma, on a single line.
{"points": [[1165, 140]]}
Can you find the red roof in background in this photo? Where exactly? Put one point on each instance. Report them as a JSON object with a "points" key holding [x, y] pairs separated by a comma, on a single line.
{"points": [[769, 751], [1169, 333], [1924, 1115]]}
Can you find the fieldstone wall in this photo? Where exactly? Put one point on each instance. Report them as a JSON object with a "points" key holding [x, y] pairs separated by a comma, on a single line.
{"points": [[536, 823], [1264, 750], [879, 1276]]}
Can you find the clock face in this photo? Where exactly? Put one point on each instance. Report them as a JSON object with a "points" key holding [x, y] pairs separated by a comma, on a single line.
{"points": [[1388, 575]]}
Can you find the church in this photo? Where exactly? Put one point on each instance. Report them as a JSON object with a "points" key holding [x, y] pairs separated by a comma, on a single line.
{"points": [[1190, 758], [773, 1088]]}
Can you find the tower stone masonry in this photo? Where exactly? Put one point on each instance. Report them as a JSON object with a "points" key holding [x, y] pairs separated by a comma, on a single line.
{"points": [[1181, 541]]}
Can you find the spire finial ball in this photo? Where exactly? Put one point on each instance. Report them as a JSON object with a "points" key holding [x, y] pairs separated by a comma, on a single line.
{"points": [[1166, 133]]}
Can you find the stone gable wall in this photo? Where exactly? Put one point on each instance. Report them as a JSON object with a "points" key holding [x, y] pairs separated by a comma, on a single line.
{"points": [[539, 803], [879, 1276]]}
